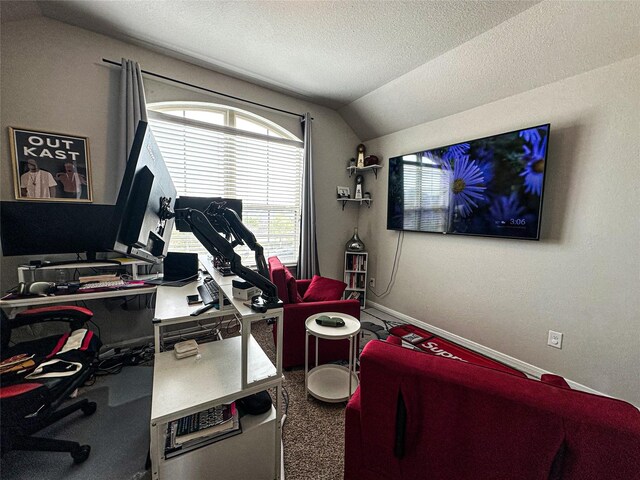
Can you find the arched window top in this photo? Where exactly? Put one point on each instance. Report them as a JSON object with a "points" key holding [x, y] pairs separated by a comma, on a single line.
{"points": [[223, 115], [218, 151]]}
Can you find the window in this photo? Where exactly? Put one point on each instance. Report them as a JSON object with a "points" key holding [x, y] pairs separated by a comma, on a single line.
{"points": [[218, 151]]}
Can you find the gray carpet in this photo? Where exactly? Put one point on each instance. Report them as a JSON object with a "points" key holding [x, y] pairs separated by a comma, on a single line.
{"points": [[118, 434]]}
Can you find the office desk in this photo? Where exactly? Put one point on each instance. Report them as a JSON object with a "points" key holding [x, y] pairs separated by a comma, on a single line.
{"points": [[15, 305], [29, 274], [227, 370]]}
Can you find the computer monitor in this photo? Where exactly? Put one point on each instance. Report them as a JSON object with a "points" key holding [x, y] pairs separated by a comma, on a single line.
{"points": [[201, 204], [48, 228], [142, 231]]}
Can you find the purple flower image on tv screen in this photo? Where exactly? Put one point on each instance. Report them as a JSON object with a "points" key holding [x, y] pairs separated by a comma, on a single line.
{"points": [[466, 179], [490, 186]]}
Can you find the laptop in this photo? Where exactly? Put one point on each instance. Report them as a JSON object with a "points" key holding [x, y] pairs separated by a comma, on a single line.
{"points": [[179, 269]]}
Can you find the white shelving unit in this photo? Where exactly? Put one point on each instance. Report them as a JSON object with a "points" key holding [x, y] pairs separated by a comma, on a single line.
{"points": [[370, 168], [225, 371], [28, 273], [360, 201], [355, 276], [366, 201]]}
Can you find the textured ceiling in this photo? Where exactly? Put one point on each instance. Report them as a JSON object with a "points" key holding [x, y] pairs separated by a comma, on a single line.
{"points": [[331, 52], [384, 65]]}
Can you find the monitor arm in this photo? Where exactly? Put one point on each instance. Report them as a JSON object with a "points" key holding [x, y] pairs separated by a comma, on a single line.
{"points": [[226, 221], [229, 223]]}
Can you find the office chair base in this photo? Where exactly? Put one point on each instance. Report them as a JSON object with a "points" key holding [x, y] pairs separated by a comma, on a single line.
{"points": [[23, 441], [78, 452]]}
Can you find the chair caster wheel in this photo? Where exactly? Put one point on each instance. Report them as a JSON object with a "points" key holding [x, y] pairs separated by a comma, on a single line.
{"points": [[80, 454], [89, 408]]}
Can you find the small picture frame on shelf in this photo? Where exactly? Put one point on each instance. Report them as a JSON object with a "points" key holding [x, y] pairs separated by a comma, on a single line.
{"points": [[344, 192]]}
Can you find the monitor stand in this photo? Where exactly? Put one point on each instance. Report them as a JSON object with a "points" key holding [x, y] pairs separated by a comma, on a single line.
{"points": [[90, 258]]}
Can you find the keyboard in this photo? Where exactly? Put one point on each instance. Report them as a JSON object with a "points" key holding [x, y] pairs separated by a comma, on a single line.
{"points": [[203, 420], [208, 292], [110, 285]]}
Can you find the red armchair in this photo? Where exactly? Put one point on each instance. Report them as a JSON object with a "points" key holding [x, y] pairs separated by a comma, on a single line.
{"points": [[296, 311]]}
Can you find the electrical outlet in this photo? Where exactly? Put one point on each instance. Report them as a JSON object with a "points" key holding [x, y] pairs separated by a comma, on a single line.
{"points": [[554, 339], [372, 282]]}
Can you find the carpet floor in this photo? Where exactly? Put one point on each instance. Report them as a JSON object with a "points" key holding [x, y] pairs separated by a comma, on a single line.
{"points": [[118, 434], [313, 433]]}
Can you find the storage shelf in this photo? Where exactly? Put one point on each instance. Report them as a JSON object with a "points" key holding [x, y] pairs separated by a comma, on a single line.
{"points": [[373, 168], [330, 383], [356, 277], [344, 201], [219, 363]]}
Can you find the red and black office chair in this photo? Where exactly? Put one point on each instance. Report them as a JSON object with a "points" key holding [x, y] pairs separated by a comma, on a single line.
{"points": [[39, 375]]}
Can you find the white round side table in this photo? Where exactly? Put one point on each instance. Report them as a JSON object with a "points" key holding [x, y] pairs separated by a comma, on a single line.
{"points": [[330, 382]]}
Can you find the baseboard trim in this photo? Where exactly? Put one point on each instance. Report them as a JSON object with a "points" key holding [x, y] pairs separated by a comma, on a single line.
{"points": [[527, 368]]}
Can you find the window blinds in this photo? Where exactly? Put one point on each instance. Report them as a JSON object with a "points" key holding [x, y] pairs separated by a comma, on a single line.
{"points": [[209, 160]]}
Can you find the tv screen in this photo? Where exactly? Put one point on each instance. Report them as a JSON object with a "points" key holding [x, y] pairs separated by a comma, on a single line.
{"points": [[491, 186]]}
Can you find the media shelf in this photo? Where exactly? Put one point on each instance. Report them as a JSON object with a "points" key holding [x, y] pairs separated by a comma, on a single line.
{"points": [[28, 273], [189, 385], [355, 276], [223, 372]]}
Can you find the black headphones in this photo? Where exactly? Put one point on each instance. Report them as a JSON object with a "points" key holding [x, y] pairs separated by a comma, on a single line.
{"points": [[35, 288]]}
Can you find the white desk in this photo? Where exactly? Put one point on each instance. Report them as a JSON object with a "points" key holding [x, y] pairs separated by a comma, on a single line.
{"points": [[227, 370], [15, 305]]}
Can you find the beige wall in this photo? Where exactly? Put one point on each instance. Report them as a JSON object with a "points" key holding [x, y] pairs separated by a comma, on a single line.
{"points": [[53, 79], [582, 278]]}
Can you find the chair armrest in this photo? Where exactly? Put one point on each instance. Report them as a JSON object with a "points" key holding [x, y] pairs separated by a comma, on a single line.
{"points": [[302, 286], [76, 317]]}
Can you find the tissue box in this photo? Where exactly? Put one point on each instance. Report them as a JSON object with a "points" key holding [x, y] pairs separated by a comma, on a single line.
{"points": [[244, 290]]}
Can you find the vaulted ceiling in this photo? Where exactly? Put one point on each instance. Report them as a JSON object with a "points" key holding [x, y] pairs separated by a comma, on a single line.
{"points": [[384, 65]]}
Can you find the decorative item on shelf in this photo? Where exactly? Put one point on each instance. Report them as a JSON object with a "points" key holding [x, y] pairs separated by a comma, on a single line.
{"points": [[371, 160], [367, 196], [352, 163], [359, 187], [344, 192], [361, 150], [355, 244]]}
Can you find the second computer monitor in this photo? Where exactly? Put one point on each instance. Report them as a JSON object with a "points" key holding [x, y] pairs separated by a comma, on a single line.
{"points": [[201, 204]]}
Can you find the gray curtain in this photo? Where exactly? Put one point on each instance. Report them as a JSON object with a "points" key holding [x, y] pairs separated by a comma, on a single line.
{"points": [[308, 265], [133, 106]]}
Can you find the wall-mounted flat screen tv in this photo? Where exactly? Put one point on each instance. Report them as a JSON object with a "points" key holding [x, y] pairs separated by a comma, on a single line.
{"points": [[491, 186]]}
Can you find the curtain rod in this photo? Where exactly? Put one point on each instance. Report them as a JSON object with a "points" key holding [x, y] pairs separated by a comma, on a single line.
{"points": [[208, 90]]}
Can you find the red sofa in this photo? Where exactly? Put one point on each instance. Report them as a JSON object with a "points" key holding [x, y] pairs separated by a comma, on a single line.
{"points": [[420, 416], [296, 313]]}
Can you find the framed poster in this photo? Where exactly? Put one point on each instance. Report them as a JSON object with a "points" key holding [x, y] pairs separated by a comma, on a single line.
{"points": [[50, 167]]}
